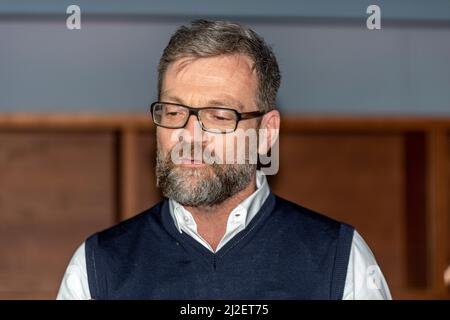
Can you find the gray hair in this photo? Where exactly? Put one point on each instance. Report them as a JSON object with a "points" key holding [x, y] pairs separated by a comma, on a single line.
{"points": [[204, 38]]}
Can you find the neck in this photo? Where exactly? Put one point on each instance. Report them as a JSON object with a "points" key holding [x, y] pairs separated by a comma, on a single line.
{"points": [[212, 220]]}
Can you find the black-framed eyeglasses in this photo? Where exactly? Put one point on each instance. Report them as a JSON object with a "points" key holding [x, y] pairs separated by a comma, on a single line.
{"points": [[212, 119]]}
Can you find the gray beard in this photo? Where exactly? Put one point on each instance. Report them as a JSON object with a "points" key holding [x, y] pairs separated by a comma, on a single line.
{"points": [[209, 185]]}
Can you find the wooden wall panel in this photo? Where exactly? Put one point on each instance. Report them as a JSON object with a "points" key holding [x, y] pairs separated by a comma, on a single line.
{"points": [[55, 190], [147, 192], [416, 202], [447, 235], [446, 254], [354, 177]]}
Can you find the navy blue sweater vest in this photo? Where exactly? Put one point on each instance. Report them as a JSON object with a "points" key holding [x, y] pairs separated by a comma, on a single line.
{"points": [[286, 252]]}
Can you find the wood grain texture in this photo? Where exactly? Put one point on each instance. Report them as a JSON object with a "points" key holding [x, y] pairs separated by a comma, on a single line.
{"points": [[438, 208], [55, 190]]}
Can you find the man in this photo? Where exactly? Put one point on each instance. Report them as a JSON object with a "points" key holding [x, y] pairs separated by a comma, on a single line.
{"points": [[221, 233]]}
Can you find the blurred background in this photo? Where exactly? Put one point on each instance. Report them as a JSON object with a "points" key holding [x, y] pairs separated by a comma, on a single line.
{"points": [[364, 137]]}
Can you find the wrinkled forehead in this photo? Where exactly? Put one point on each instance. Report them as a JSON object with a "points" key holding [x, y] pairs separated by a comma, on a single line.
{"points": [[240, 61], [229, 73]]}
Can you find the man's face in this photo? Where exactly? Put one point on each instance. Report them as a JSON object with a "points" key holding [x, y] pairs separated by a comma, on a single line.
{"points": [[222, 81]]}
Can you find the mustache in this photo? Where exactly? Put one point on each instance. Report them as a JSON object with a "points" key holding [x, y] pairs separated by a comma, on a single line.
{"points": [[192, 151]]}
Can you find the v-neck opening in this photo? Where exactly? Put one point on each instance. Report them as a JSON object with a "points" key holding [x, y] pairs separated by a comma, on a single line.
{"points": [[205, 253]]}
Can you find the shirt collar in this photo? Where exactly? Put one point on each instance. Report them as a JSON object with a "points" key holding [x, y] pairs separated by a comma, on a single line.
{"points": [[242, 214]]}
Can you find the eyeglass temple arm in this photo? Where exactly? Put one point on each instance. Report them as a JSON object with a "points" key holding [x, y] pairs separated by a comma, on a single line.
{"points": [[251, 115]]}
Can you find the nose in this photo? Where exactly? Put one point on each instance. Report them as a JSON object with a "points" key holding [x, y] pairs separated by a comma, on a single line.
{"points": [[193, 130]]}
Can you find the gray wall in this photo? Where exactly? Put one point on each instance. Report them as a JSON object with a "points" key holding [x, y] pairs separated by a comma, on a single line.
{"points": [[330, 62]]}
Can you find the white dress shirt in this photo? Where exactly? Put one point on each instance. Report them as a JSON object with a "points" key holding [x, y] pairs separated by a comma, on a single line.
{"points": [[364, 280]]}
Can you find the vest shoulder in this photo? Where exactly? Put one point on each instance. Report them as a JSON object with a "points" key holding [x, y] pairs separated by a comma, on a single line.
{"points": [[130, 226], [300, 215]]}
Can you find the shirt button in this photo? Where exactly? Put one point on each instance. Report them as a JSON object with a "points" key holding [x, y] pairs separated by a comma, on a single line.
{"points": [[186, 218]]}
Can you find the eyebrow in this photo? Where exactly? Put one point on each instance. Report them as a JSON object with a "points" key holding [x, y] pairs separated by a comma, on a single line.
{"points": [[172, 99], [225, 102], [230, 103]]}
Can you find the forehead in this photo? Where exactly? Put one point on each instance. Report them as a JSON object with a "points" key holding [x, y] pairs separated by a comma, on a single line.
{"points": [[211, 78]]}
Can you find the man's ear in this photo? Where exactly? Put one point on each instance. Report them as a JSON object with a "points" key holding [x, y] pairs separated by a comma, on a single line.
{"points": [[268, 131]]}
